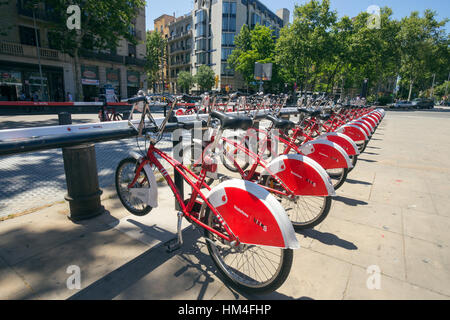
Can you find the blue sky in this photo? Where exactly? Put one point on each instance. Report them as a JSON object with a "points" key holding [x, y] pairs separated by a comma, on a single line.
{"points": [[401, 8]]}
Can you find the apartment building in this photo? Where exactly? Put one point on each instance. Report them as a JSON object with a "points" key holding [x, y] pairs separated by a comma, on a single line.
{"points": [[20, 59], [180, 46], [216, 23], [161, 25]]}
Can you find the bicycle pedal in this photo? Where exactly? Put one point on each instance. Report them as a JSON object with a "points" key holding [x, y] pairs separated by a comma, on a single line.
{"points": [[172, 245]]}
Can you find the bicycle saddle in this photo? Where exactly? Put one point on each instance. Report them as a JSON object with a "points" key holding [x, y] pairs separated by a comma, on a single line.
{"points": [[312, 113], [232, 122], [280, 123], [325, 117]]}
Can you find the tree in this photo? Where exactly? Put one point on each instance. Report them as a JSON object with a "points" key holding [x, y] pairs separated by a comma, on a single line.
{"points": [[257, 45], [205, 78], [421, 40], [103, 24], [185, 81], [156, 55], [306, 45]]}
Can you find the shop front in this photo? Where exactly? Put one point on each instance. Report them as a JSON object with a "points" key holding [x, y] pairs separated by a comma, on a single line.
{"points": [[113, 80], [24, 82], [10, 85], [90, 82], [133, 83]]}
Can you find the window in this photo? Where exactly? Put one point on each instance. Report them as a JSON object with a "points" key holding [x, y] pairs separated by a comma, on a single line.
{"points": [[226, 53], [131, 50], [229, 24], [226, 71], [201, 30], [256, 19], [28, 36], [228, 39], [229, 8], [229, 16], [201, 58], [200, 16], [201, 44]]}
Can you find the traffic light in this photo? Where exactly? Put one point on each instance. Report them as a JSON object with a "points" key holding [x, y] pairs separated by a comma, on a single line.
{"points": [[216, 79]]}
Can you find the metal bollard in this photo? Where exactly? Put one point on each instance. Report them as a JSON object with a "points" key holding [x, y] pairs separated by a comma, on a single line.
{"points": [[80, 166], [179, 180]]}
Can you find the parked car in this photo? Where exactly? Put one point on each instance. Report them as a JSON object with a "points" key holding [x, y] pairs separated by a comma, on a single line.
{"points": [[423, 103], [402, 105]]}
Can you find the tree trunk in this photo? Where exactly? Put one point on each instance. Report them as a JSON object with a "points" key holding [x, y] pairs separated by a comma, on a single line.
{"points": [[410, 89], [78, 88]]}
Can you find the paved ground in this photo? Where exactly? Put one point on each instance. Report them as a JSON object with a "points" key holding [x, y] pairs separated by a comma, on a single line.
{"points": [[391, 216], [36, 179]]}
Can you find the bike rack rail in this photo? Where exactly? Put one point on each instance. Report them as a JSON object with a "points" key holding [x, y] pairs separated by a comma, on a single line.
{"points": [[77, 142]]}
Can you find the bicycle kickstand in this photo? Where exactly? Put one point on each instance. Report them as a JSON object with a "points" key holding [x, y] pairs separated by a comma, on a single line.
{"points": [[176, 243]]}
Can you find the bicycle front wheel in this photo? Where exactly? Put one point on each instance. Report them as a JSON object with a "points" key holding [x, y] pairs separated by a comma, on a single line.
{"points": [[125, 173], [248, 268]]}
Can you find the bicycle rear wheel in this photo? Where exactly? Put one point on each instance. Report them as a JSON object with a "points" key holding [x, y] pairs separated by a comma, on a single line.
{"points": [[338, 176], [125, 173], [305, 212], [248, 268], [354, 161]]}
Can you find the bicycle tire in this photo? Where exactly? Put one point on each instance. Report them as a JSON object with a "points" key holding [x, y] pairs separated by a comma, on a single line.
{"points": [[320, 205], [238, 278], [117, 117], [125, 196], [339, 177], [354, 161], [226, 162]]}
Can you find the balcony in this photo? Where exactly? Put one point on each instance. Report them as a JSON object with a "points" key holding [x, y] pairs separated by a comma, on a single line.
{"points": [[180, 36], [135, 61], [180, 63], [180, 50], [18, 49], [102, 56], [42, 12]]}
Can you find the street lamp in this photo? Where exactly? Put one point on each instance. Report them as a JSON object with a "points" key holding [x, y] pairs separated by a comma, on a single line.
{"points": [[38, 50]]}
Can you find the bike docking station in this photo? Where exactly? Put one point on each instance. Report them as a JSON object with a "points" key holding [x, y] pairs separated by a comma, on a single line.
{"points": [[78, 147]]}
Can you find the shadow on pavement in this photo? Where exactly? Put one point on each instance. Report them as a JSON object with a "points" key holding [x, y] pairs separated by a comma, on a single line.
{"points": [[358, 182], [350, 202], [367, 160], [328, 239]]}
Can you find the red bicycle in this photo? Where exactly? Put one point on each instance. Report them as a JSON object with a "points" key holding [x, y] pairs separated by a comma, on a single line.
{"points": [[248, 234]]}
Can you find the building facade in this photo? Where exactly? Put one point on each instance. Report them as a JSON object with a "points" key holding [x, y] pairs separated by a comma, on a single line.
{"points": [[161, 25], [23, 48], [216, 23], [180, 48]]}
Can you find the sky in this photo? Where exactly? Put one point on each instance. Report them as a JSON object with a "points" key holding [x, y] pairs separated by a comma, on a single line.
{"points": [[401, 8]]}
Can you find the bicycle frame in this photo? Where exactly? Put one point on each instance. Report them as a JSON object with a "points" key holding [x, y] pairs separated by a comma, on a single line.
{"points": [[151, 159]]}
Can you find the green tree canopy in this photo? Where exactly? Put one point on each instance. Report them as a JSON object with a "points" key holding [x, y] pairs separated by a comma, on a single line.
{"points": [[103, 24], [185, 81], [156, 53], [205, 78]]}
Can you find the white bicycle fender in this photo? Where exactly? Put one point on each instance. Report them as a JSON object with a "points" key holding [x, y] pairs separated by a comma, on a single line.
{"points": [[246, 227], [343, 136], [306, 147], [277, 165]]}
